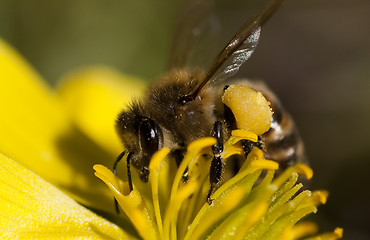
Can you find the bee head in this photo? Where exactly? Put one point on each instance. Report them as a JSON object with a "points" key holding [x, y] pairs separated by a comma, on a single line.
{"points": [[142, 137]]}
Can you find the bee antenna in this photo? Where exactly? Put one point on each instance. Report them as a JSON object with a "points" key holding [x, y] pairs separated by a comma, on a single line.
{"points": [[119, 158]]}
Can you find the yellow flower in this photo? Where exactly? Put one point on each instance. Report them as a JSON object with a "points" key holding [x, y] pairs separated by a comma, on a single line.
{"points": [[241, 209], [50, 139]]}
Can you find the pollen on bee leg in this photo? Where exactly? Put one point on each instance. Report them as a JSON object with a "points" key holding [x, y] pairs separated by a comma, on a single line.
{"points": [[239, 98]]}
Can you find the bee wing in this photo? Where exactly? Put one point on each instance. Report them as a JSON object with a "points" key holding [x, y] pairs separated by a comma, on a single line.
{"points": [[238, 50], [238, 56], [196, 27]]}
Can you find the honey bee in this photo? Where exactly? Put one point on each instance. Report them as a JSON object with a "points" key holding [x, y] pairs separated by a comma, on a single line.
{"points": [[185, 104]]}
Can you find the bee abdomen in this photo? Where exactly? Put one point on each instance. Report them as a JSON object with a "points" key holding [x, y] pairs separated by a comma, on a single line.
{"points": [[282, 142]]}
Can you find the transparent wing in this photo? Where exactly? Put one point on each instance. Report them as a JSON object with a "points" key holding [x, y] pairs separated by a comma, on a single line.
{"points": [[194, 32], [238, 50], [237, 58]]}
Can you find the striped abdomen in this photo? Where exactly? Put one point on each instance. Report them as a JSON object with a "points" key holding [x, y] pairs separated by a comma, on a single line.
{"points": [[282, 142]]}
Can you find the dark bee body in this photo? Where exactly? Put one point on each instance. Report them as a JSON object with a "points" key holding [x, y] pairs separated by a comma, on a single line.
{"points": [[185, 104]]}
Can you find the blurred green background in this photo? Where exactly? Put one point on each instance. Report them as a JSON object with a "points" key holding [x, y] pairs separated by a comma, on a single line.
{"points": [[314, 54]]}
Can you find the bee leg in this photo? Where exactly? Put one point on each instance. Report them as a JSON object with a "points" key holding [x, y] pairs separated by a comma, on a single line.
{"points": [[249, 145], [259, 143], [179, 156], [216, 164]]}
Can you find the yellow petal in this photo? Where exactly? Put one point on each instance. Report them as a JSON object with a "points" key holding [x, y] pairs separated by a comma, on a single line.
{"points": [[94, 97], [31, 118], [31, 208], [37, 131]]}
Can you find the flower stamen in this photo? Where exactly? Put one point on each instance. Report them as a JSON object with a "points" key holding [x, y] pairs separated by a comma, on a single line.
{"points": [[249, 205]]}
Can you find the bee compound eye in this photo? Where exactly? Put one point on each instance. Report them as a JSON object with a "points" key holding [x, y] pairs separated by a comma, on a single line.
{"points": [[150, 135]]}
